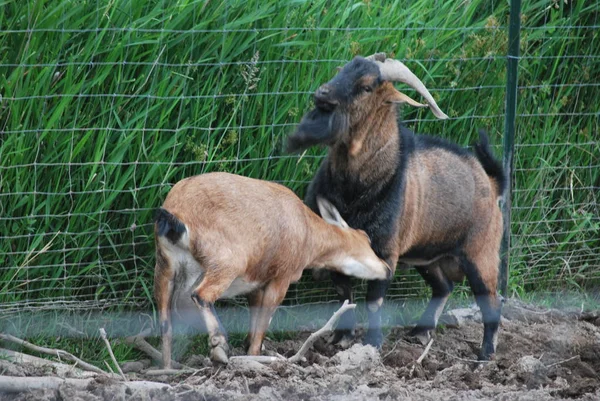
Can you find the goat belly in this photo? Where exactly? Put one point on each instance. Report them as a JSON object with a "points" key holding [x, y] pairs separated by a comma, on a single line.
{"points": [[240, 286], [426, 254]]}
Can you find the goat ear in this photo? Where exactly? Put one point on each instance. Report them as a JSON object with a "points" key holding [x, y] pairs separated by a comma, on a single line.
{"points": [[400, 98], [329, 213]]}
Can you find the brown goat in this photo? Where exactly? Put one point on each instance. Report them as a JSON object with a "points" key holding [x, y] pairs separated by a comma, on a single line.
{"points": [[423, 201], [220, 235]]}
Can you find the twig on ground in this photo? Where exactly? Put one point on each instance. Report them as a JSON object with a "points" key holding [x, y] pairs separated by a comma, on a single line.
{"points": [[246, 387], [110, 352], [109, 368], [54, 352], [11, 384], [138, 342], [185, 392], [420, 359], [392, 350], [257, 358], [532, 311], [170, 372], [187, 379], [563, 361], [425, 352], [211, 376], [322, 331]]}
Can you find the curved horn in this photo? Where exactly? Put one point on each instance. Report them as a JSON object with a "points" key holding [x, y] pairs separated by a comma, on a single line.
{"points": [[377, 57], [396, 71]]}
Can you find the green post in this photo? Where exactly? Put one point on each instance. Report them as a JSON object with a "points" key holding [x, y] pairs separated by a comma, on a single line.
{"points": [[509, 133]]}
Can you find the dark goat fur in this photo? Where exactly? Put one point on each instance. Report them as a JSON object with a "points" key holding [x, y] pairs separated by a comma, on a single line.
{"points": [[422, 200]]}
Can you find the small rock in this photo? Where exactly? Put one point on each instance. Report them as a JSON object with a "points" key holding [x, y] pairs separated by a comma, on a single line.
{"points": [[561, 382], [530, 371]]}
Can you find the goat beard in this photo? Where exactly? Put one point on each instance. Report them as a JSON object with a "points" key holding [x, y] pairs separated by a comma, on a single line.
{"points": [[319, 127]]}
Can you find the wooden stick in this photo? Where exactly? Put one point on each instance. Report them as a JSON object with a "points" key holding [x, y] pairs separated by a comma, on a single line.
{"points": [[563, 361], [425, 352], [322, 331], [171, 372], [54, 352], [61, 369], [109, 368], [110, 352], [139, 343], [257, 358], [11, 384]]}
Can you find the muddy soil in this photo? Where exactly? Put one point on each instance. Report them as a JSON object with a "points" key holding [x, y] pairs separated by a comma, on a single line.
{"points": [[542, 354]]}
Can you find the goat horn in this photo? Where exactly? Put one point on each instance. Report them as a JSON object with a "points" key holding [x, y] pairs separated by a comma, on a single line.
{"points": [[396, 71], [377, 57]]}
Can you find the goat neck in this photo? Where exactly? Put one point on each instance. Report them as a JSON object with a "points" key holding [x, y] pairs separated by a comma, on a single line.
{"points": [[371, 149]]}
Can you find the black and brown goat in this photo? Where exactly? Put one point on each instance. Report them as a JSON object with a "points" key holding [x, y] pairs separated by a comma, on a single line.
{"points": [[422, 200], [220, 235]]}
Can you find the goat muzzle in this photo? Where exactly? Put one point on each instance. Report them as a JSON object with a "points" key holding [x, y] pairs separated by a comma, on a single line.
{"points": [[323, 99]]}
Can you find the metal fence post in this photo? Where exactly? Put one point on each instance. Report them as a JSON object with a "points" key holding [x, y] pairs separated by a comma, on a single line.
{"points": [[509, 133]]}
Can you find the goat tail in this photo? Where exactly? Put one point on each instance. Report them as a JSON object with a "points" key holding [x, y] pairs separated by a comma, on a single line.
{"points": [[167, 225], [492, 167]]}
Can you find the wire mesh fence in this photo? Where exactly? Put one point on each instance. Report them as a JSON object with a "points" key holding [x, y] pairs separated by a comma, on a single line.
{"points": [[105, 105]]}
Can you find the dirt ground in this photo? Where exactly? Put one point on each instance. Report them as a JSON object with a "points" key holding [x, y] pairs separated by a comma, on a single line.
{"points": [[542, 354]]}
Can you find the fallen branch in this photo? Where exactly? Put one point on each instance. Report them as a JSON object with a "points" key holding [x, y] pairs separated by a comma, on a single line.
{"points": [[258, 358], [110, 352], [109, 368], [420, 359], [61, 369], [139, 343], [171, 372], [11, 384], [54, 352], [321, 332]]}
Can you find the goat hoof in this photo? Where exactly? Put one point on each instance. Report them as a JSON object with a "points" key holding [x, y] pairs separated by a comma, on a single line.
{"points": [[219, 354], [374, 338], [420, 335], [484, 356]]}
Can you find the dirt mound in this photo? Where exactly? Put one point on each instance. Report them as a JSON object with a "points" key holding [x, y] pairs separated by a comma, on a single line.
{"points": [[541, 355]]}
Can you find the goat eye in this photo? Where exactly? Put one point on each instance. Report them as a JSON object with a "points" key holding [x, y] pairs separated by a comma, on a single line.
{"points": [[367, 89]]}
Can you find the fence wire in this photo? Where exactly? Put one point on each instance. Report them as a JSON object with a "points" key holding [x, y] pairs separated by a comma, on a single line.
{"points": [[105, 105]]}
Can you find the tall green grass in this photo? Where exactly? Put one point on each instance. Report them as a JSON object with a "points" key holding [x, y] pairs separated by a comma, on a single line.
{"points": [[106, 104]]}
